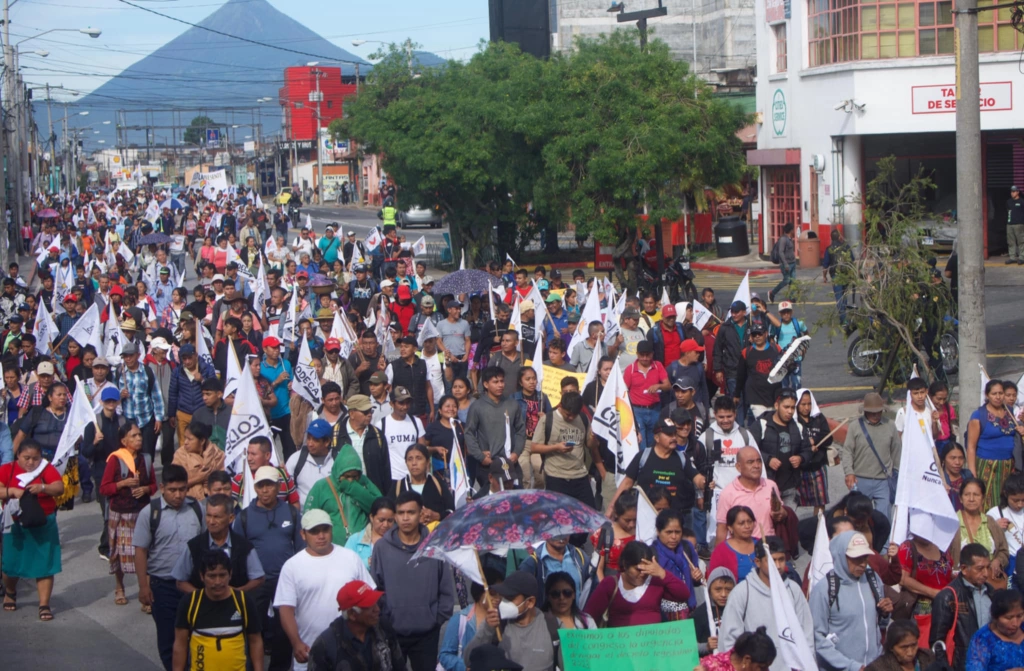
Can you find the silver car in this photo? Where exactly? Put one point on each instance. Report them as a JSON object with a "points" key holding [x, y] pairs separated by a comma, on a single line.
{"points": [[420, 216]]}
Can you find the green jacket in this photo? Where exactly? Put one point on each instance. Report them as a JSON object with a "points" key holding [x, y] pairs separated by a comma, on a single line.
{"points": [[355, 497]]}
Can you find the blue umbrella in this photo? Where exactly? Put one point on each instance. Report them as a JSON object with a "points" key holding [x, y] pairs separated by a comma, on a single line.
{"points": [[464, 282], [173, 203]]}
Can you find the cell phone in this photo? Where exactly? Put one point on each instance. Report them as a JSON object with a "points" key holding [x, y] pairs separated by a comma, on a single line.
{"points": [[570, 443]]}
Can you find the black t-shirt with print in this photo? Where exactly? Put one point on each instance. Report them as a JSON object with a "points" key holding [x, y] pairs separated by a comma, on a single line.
{"points": [[670, 473]]}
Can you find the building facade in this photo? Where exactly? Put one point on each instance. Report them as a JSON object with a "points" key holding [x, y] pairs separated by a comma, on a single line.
{"points": [[843, 84]]}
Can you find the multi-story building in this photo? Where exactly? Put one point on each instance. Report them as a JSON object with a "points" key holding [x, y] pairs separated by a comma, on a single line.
{"points": [[842, 84]]}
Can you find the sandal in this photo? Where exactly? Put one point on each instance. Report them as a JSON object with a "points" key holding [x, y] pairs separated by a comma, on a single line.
{"points": [[45, 614], [148, 610], [12, 605], [119, 598]]}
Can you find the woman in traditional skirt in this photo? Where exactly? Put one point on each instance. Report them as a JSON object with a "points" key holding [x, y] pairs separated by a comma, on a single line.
{"points": [[990, 442], [128, 483], [813, 472], [31, 553], [44, 424]]}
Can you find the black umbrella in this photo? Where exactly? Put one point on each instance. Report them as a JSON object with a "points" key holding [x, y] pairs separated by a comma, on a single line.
{"points": [[154, 239], [465, 282]]}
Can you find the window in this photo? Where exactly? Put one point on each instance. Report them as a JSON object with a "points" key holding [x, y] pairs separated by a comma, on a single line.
{"points": [[844, 30], [780, 47]]}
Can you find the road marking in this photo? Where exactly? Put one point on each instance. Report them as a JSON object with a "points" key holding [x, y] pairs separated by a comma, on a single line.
{"points": [[854, 388], [1006, 355]]}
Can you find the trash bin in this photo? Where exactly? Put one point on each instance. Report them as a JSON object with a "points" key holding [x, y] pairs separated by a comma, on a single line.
{"points": [[810, 252], [731, 237]]}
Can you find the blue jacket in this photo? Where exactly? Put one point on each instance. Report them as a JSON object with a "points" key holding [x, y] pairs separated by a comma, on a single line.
{"points": [[6, 444], [187, 395], [450, 656], [545, 404]]}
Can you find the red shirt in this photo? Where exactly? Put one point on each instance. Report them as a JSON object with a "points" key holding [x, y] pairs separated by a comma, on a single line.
{"points": [[8, 473], [638, 383], [672, 341]]}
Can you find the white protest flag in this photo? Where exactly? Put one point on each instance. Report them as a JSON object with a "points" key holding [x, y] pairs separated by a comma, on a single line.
{"points": [[286, 327], [516, 321], [247, 421], [419, 248], [591, 313], [81, 416], [791, 640], [259, 290], [87, 330], [509, 257], [701, 315], [922, 505], [373, 240], [115, 337], [427, 331], [984, 381], [538, 361], [646, 531], [91, 220], [490, 301], [821, 559], [309, 223], [508, 438], [234, 372], [259, 202], [152, 212], [248, 484], [535, 295], [462, 266], [665, 300], [46, 330], [613, 421], [202, 349], [743, 291], [595, 363], [307, 385], [457, 472]]}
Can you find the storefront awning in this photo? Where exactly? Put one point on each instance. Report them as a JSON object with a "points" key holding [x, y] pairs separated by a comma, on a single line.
{"points": [[767, 157]]}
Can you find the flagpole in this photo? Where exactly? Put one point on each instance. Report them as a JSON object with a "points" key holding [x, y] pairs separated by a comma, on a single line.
{"points": [[814, 446], [483, 580]]}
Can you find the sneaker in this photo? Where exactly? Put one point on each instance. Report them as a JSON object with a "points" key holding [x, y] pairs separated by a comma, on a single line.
{"points": [[1010, 262], [104, 555], [771, 299], [87, 497]]}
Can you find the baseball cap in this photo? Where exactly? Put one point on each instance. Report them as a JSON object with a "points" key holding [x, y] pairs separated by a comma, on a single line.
{"points": [[351, 233], [668, 311], [873, 402], [357, 594], [757, 328], [302, 273], [314, 518], [683, 384], [44, 368], [167, 271], [319, 429], [542, 285], [408, 340], [690, 345], [737, 306], [386, 283], [379, 378], [70, 298], [454, 303], [858, 546], [665, 426], [24, 306], [17, 319], [526, 305], [109, 393], [130, 348], [785, 305], [631, 313], [427, 300], [271, 341], [332, 345], [100, 361], [359, 267], [556, 274], [518, 583], [159, 343], [1014, 188], [404, 292], [184, 350], [264, 473], [360, 403], [427, 279], [400, 394], [553, 298], [117, 291], [218, 278]]}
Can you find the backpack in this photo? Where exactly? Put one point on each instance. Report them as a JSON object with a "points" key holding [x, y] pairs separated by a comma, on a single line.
{"points": [[304, 455], [156, 510], [709, 441], [833, 586], [776, 255], [645, 455]]}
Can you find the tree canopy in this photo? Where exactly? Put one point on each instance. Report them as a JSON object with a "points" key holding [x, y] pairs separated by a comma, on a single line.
{"points": [[196, 131], [509, 145]]}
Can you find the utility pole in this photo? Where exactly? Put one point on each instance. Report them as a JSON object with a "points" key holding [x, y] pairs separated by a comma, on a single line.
{"points": [[319, 144], [12, 150], [968, 203]]}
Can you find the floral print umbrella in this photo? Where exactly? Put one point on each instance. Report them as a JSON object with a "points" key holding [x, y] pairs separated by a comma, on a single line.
{"points": [[510, 520]]}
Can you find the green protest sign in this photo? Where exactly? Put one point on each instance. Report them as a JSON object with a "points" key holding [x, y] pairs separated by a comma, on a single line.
{"points": [[653, 647]]}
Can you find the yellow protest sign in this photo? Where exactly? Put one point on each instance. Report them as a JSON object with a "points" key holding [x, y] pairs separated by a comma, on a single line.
{"points": [[552, 384]]}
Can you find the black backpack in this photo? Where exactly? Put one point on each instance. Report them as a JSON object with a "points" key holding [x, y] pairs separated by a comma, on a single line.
{"points": [[304, 456], [776, 255], [833, 587], [156, 511]]}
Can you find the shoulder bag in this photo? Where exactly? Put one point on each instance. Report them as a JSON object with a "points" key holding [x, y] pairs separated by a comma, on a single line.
{"points": [[890, 477]]}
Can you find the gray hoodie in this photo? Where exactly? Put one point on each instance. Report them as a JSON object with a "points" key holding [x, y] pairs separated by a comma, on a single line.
{"points": [[485, 427], [846, 635], [420, 596], [750, 606]]}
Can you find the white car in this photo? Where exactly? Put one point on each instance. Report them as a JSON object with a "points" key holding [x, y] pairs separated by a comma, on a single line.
{"points": [[420, 216]]}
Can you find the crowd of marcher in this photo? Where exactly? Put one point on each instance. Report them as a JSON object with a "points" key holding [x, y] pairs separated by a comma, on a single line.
{"points": [[296, 554]]}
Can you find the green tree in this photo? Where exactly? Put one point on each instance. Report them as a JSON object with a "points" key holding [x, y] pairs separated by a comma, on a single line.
{"points": [[196, 131], [900, 301]]}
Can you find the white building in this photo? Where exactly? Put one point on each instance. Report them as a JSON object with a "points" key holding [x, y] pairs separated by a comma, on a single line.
{"points": [[842, 84]]}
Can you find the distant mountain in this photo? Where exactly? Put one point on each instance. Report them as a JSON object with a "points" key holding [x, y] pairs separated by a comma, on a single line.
{"points": [[202, 70]]}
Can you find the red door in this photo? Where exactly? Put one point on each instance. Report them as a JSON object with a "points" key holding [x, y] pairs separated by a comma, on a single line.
{"points": [[783, 200]]}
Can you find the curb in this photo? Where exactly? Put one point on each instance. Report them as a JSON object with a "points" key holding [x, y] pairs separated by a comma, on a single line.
{"points": [[732, 270]]}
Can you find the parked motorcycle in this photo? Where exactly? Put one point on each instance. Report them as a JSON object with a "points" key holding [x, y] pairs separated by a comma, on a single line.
{"points": [[678, 277]]}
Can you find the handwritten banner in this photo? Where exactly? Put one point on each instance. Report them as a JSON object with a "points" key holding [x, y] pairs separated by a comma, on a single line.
{"points": [[668, 646], [552, 384]]}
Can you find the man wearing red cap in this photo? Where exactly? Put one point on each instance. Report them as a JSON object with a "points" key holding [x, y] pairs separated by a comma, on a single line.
{"points": [[666, 336], [339, 370], [358, 633]]}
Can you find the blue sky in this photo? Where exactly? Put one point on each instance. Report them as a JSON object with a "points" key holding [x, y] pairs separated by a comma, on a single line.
{"points": [[450, 28]]}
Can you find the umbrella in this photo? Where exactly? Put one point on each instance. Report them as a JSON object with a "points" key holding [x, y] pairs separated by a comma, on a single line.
{"points": [[174, 204], [154, 239], [464, 282], [48, 213], [508, 520]]}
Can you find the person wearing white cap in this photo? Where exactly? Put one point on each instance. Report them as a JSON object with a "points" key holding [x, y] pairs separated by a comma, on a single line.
{"points": [[307, 588], [845, 606]]}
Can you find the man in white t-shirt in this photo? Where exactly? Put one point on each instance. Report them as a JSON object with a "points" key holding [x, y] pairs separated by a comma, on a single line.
{"points": [[400, 430], [308, 587], [723, 440], [435, 368]]}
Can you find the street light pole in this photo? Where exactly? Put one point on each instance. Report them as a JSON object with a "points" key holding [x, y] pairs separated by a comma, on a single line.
{"points": [[319, 143]]}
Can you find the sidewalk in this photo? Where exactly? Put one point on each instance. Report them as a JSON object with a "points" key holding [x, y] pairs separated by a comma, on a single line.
{"points": [[738, 265]]}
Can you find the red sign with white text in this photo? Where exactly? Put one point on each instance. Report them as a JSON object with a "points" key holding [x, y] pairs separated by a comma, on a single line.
{"points": [[941, 98]]}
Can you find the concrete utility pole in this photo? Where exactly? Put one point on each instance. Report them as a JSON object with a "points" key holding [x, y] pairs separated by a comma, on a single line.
{"points": [[12, 150], [319, 144], [968, 204]]}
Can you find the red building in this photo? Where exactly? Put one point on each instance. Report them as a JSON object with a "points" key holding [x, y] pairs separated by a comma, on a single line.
{"points": [[300, 121]]}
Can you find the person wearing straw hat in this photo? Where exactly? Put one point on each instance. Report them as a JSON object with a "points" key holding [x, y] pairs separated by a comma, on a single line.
{"points": [[871, 453]]}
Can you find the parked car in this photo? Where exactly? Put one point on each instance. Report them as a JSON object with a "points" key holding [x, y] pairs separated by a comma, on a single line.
{"points": [[420, 216]]}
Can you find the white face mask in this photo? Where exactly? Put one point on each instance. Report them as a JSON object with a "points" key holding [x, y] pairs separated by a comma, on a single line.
{"points": [[508, 610]]}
